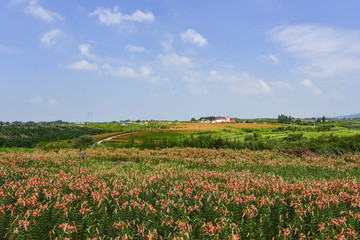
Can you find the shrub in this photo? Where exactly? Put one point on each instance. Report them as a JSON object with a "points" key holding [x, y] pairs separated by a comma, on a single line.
{"points": [[84, 141], [54, 145], [293, 137], [254, 136], [299, 151]]}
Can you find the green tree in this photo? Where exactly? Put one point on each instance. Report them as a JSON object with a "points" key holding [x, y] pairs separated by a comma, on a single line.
{"points": [[84, 141], [284, 119]]}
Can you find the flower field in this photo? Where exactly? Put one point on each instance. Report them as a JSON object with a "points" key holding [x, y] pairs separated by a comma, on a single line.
{"points": [[178, 193], [217, 126]]}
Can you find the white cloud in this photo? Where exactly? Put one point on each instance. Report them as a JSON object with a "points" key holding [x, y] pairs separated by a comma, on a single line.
{"points": [[193, 83], [49, 38], [6, 49], [327, 51], [271, 58], [122, 72], [15, 2], [318, 92], [309, 85], [42, 100], [140, 16], [167, 44], [85, 50], [241, 83], [336, 95], [132, 48], [82, 65], [280, 84], [143, 74], [194, 37], [114, 16], [39, 12], [36, 99], [145, 71], [173, 60], [52, 101]]}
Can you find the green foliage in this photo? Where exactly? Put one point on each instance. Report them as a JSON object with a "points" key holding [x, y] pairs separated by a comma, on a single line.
{"points": [[285, 119], [28, 136], [293, 137], [84, 141], [116, 127], [54, 145], [322, 144], [254, 137], [349, 124]]}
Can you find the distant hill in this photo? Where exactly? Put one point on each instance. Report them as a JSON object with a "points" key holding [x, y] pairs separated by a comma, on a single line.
{"points": [[351, 116]]}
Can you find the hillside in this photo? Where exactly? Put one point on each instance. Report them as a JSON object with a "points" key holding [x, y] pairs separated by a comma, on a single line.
{"points": [[351, 116]]}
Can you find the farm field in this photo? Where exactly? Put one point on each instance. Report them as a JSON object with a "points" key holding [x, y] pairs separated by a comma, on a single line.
{"points": [[178, 193], [178, 129], [219, 126], [228, 132], [326, 139]]}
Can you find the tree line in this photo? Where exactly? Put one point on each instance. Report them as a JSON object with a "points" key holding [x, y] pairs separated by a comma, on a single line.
{"points": [[25, 135]]}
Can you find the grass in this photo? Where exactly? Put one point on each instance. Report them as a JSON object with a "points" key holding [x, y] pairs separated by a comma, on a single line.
{"points": [[230, 132], [16, 150]]}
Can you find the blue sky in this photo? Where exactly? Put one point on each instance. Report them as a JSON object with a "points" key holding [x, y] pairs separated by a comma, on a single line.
{"points": [[174, 60]]}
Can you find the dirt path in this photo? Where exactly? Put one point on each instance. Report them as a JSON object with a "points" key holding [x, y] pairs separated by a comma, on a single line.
{"points": [[102, 140]]}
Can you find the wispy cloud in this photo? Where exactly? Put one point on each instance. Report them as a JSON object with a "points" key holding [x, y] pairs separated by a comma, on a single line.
{"points": [[280, 84], [309, 85], [242, 83], [82, 65], [318, 92], [114, 16], [132, 48], [168, 43], [144, 73], [15, 2], [193, 37], [6, 49], [122, 72], [39, 12], [327, 51], [42, 100], [194, 84], [170, 68], [49, 38], [173, 60], [85, 51], [271, 58]]}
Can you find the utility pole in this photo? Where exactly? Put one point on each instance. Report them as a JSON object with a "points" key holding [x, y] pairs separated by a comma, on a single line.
{"points": [[90, 117]]}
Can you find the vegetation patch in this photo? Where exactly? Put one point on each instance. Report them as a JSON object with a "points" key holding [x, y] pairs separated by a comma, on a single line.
{"points": [[24, 135], [181, 193]]}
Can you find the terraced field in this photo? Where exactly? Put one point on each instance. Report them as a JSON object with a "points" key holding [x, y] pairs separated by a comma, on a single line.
{"points": [[174, 129]]}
